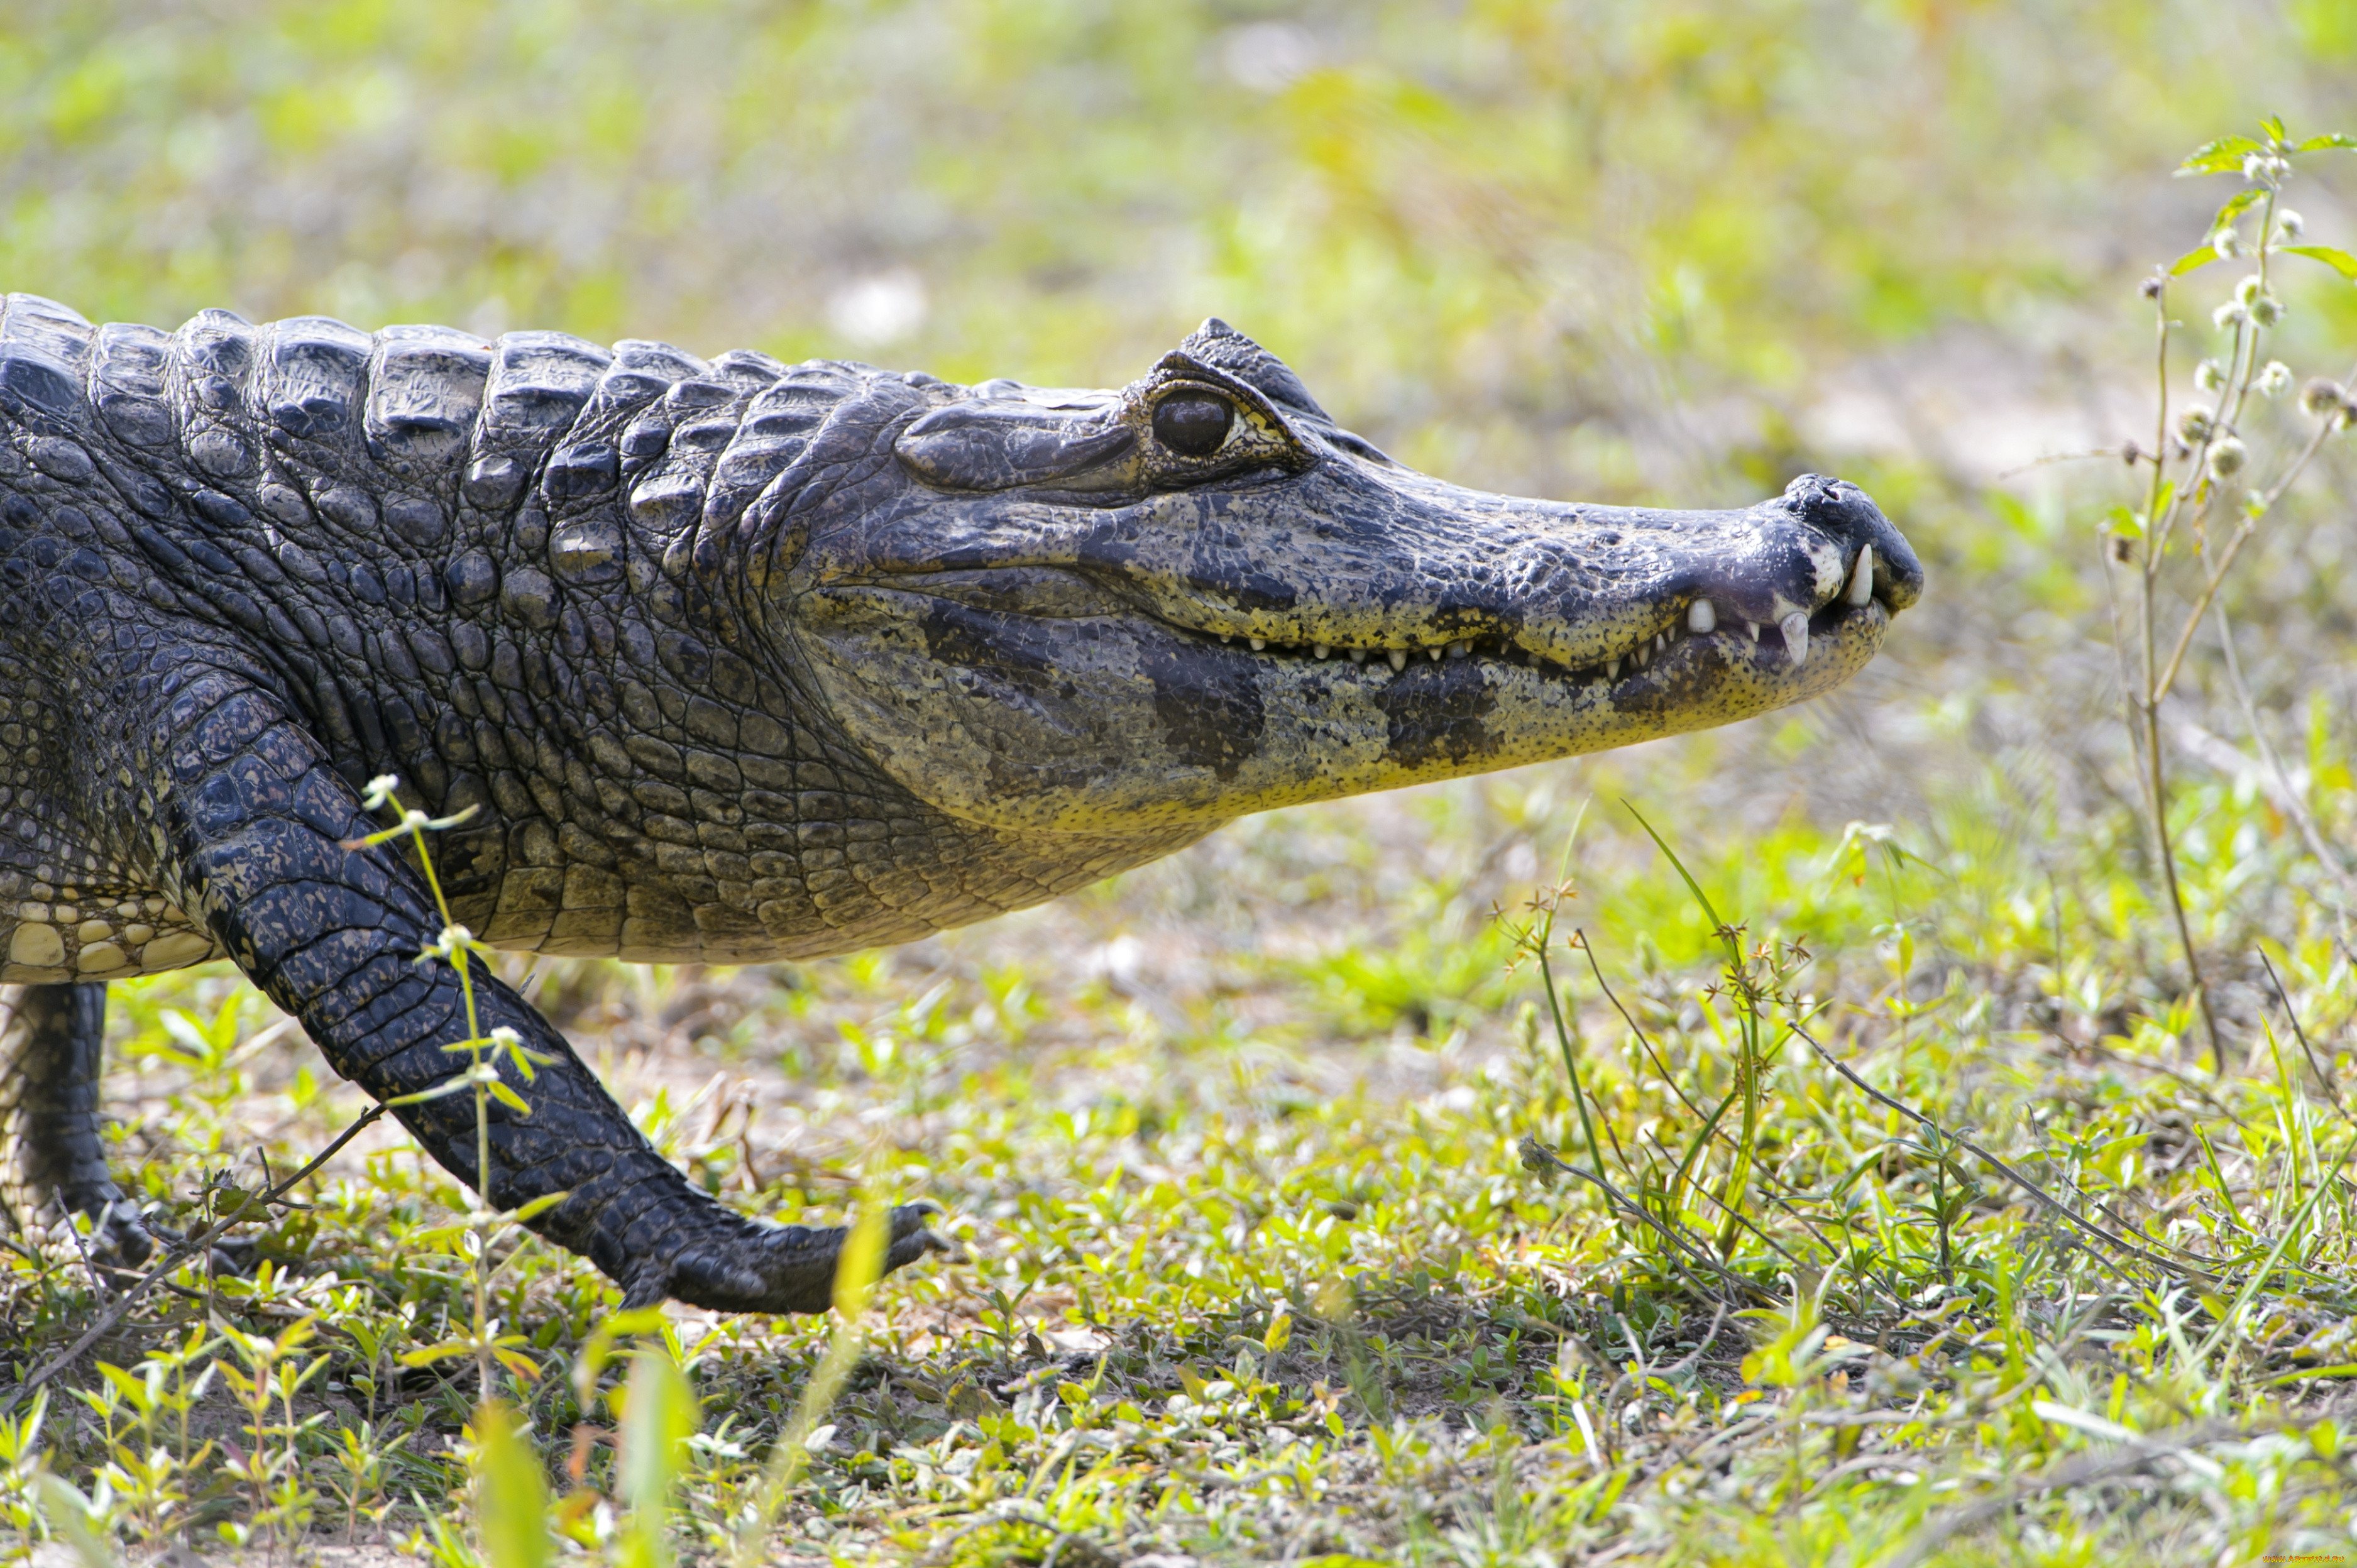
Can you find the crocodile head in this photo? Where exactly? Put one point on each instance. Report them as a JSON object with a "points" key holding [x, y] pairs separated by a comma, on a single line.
{"points": [[1133, 611]]}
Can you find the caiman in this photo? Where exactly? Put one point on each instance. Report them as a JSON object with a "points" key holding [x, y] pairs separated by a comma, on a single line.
{"points": [[730, 662]]}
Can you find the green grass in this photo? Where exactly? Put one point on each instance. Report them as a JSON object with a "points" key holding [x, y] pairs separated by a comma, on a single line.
{"points": [[1253, 1269]]}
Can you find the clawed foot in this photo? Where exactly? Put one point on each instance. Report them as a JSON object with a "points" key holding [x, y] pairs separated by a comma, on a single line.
{"points": [[787, 1268], [121, 1236], [117, 1237]]}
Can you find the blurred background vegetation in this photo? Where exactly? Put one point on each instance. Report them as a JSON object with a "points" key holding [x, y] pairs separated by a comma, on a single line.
{"points": [[1618, 247]]}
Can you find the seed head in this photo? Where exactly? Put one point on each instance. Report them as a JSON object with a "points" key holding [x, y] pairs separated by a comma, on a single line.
{"points": [[2266, 310], [2208, 375], [2320, 399], [2248, 289], [2229, 315], [2226, 243], [2193, 425], [2226, 458], [2289, 224], [2275, 379]]}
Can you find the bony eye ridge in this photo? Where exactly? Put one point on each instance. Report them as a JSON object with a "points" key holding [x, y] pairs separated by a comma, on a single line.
{"points": [[1193, 423]]}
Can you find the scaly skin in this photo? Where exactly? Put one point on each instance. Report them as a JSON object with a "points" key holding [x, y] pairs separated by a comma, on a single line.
{"points": [[734, 662]]}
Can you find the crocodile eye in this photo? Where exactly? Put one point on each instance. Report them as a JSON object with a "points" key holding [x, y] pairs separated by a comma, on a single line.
{"points": [[1193, 424]]}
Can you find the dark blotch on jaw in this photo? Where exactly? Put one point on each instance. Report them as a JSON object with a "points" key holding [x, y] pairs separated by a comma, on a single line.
{"points": [[982, 639], [1437, 711], [1207, 704]]}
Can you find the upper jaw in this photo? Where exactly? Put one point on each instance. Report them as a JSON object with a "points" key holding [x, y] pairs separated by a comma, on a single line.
{"points": [[1437, 572]]}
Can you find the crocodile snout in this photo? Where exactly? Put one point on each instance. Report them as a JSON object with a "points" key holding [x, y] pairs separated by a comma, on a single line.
{"points": [[1846, 515]]}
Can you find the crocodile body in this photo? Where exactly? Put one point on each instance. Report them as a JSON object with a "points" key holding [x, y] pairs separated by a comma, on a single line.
{"points": [[731, 661]]}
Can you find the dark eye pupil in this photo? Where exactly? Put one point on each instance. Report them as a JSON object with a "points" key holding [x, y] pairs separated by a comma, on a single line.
{"points": [[1194, 426]]}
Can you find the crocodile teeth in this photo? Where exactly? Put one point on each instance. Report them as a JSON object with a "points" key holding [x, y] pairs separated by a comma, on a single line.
{"points": [[1796, 628], [1358, 656], [1612, 669], [1861, 581], [1398, 656], [1257, 644], [1701, 617], [1321, 650], [1753, 628], [1225, 638]]}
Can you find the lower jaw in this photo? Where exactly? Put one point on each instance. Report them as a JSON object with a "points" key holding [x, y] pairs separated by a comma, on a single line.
{"points": [[1334, 729]]}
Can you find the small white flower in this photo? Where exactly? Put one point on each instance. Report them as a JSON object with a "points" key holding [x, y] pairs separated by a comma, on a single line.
{"points": [[2208, 375], [2247, 290], [2289, 224], [2266, 310], [2321, 397], [2227, 243], [2275, 379], [2193, 425], [2229, 315], [2226, 458]]}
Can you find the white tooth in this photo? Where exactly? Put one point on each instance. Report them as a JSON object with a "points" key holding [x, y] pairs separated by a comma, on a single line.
{"points": [[1258, 644], [1226, 638], [1398, 656], [1321, 650], [1753, 628], [1861, 581], [1796, 628], [1612, 669], [1701, 616], [1661, 641], [1460, 650], [1358, 656]]}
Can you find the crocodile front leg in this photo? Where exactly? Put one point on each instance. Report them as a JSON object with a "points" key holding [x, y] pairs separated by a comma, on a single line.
{"points": [[51, 1161], [257, 823]]}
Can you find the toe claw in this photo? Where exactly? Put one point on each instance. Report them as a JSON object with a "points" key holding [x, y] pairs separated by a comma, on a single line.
{"points": [[923, 1241]]}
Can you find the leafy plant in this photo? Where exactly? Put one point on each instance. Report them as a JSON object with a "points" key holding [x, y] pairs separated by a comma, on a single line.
{"points": [[2201, 475]]}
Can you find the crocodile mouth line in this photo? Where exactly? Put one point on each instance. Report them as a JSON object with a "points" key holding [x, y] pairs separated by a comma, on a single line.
{"points": [[1767, 648]]}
